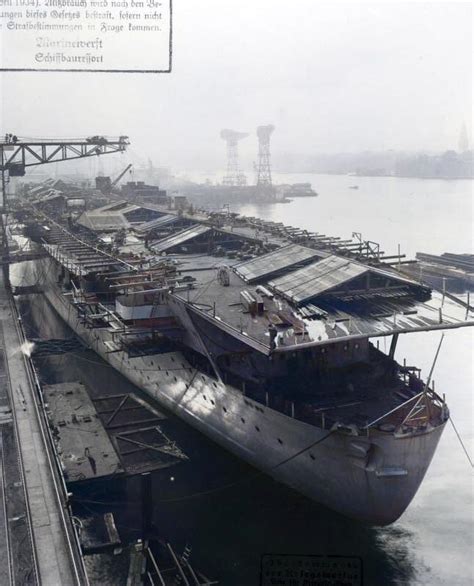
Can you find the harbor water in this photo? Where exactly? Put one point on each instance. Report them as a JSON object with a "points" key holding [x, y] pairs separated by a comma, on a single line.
{"points": [[231, 515]]}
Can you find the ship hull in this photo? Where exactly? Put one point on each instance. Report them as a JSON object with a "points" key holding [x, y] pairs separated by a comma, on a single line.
{"points": [[372, 479]]}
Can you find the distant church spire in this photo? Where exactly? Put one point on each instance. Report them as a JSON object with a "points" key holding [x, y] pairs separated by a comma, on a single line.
{"points": [[463, 139]]}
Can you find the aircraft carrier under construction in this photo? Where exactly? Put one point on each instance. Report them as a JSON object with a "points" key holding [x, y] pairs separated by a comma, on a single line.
{"points": [[261, 336]]}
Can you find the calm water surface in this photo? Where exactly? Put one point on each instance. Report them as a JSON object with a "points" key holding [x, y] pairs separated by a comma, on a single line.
{"points": [[230, 528], [436, 532]]}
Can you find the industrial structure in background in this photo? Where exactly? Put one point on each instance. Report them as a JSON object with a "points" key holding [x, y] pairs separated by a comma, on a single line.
{"points": [[234, 176], [234, 188], [18, 153], [106, 185], [264, 171]]}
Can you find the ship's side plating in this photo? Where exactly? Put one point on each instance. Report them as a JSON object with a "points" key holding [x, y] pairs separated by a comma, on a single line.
{"points": [[371, 477]]}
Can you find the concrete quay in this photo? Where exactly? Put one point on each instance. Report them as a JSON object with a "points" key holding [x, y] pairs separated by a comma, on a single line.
{"points": [[37, 540]]}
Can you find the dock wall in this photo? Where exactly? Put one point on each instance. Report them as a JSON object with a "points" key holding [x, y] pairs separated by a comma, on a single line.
{"points": [[33, 489]]}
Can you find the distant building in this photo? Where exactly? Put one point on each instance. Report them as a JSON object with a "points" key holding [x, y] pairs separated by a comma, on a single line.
{"points": [[144, 192], [179, 202]]}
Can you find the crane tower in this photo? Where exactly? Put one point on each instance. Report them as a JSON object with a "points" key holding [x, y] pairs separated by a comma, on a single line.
{"points": [[264, 172], [234, 175]]}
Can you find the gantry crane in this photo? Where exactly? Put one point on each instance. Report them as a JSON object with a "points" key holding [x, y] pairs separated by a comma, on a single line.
{"points": [[18, 153]]}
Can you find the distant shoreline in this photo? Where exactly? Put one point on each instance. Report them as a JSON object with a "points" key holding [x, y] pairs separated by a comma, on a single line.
{"points": [[442, 178]]}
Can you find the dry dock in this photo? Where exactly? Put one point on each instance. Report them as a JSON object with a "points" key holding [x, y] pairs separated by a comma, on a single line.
{"points": [[36, 537]]}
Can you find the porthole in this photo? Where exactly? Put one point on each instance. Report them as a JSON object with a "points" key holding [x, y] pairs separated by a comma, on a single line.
{"points": [[257, 428], [279, 441], [312, 457], [224, 409], [205, 398], [175, 380], [166, 373], [212, 402], [214, 385], [242, 419]]}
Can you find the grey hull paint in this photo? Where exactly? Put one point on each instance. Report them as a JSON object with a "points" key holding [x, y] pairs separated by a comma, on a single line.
{"points": [[371, 479]]}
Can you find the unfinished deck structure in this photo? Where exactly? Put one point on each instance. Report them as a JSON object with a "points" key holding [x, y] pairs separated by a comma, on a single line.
{"points": [[84, 447], [448, 271], [108, 438], [264, 337]]}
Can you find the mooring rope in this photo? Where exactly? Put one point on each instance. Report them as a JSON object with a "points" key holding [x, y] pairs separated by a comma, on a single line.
{"points": [[461, 442]]}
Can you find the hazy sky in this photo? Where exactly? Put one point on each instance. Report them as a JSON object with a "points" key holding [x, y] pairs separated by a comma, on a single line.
{"points": [[330, 76]]}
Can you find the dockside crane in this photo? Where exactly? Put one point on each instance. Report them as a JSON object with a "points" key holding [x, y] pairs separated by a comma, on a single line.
{"points": [[19, 153], [117, 179], [104, 183]]}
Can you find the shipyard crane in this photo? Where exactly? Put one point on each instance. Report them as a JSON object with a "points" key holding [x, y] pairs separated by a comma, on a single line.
{"points": [[104, 183], [234, 175], [117, 179], [264, 173], [18, 153]]}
